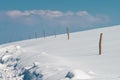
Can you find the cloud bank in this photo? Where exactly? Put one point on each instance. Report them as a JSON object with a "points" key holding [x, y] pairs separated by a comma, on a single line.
{"points": [[53, 18]]}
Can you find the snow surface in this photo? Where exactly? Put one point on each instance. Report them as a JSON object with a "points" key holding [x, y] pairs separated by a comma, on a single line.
{"points": [[61, 59]]}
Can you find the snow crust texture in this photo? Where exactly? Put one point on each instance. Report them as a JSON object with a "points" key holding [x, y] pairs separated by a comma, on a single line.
{"points": [[61, 59], [9, 69]]}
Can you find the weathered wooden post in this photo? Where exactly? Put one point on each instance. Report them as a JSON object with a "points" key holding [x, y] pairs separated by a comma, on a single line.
{"points": [[44, 34], [55, 33], [35, 35], [100, 44], [68, 34]]}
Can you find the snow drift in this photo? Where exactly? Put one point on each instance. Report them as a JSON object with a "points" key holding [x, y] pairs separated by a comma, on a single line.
{"points": [[62, 59]]}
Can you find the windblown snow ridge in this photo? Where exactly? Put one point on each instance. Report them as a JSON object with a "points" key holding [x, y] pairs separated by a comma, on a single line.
{"points": [[9, 69], [8, 63]]}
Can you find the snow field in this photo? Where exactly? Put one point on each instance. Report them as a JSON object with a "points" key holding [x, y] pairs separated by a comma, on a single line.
{"points": [[62, 59]]}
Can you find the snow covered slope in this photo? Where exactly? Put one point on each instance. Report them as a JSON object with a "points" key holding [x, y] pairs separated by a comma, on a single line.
{"points": [[61, 59]]}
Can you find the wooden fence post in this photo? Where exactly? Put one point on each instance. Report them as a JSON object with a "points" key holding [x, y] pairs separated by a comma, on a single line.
{"points": [[100, 44], [44, 34], [35, 35], [55, 33], [68, 34]]}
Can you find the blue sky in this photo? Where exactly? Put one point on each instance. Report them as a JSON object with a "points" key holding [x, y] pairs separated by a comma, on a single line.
{"points": [[21, 18]]}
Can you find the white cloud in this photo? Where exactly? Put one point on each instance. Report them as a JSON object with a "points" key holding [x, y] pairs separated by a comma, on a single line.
{"points": [[48, 13], [54, 14], [82, 13], [17, 13], [69, 18], [13, 13]]}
